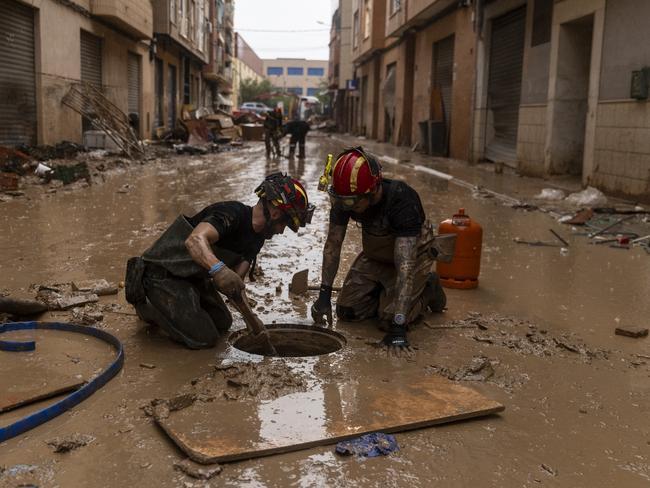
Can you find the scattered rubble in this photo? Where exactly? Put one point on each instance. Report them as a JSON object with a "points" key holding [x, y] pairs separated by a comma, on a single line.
{"points": [[98, 287], [634, 332], [526, 338], [198, 471], [70, 443], [479, 369]]}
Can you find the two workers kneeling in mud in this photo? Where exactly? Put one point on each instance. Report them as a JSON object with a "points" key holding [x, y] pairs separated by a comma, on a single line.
{"points": [[176, 283]]}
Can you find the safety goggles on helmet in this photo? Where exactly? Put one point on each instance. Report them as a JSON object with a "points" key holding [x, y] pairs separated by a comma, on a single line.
{"points": [[346, 202]]}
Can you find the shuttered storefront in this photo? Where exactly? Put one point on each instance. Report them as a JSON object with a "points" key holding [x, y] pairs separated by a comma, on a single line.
{"points": [[91, 67], [135, 83], [504, 85], [17, 74], [91, 59], [443, 72]]}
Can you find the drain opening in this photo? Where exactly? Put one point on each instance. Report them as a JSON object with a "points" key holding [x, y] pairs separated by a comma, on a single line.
{"points": [[291, 340]]}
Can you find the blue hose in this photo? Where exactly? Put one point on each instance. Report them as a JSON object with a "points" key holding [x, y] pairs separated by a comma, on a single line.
{"points": [[56, 409]]}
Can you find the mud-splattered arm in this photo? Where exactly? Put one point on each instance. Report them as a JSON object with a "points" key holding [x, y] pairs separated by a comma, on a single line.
{"points": [[332, 253], [405, 254], [198, 244]]}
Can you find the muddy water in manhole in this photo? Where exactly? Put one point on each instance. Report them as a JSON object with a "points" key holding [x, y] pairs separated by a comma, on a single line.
{"points": [[291, 340]]}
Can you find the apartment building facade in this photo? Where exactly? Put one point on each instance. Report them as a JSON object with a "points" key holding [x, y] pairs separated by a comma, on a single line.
{"points": [[341, 70], [247, 65], [48, 45], [304, 77], [544, 86]]}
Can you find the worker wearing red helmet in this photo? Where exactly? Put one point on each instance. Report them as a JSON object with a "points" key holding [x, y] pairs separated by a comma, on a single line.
{"points": [[174, 284], [391, 278]]}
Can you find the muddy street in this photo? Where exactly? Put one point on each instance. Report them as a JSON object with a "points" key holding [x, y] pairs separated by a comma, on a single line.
{"points": [[537, 336]]}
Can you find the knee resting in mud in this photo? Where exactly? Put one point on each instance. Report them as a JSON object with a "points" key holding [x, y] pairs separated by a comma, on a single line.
{"points": [[345, 313]]}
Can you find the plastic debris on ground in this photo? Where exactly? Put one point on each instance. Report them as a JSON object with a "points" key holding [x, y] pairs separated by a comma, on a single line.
{"points": [[551, 194], [590, 197], [369, 445]]}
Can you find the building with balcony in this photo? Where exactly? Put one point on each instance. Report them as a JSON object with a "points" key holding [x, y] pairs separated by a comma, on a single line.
{"points": [[247, 65], [341, 81], [218, 73], [304, 77], [48, 45], [181, 49]]}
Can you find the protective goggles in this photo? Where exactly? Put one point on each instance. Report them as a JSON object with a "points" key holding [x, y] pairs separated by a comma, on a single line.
{"points": [[346, 202]]}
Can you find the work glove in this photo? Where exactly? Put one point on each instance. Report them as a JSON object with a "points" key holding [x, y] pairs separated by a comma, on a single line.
{"points": [[228, 282], [395, 341], [322, 309]]}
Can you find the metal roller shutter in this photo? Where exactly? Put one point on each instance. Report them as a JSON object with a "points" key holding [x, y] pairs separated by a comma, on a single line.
{"points": [[443, 72], [17, 74], [504, 85], [91, 59], [135, 83]]}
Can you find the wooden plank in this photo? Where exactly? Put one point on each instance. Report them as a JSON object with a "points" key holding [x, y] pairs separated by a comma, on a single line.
{"points": [[221, 431], [24, 381]]}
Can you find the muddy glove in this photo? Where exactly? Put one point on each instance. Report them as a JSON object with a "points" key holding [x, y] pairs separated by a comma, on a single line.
{"points": [[323, 306], [228, 282], [396, 342]]}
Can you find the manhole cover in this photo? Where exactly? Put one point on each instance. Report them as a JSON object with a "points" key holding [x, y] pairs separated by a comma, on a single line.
{"points": [[291, 340]]}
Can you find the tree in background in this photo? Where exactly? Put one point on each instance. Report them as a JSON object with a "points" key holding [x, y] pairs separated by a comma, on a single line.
{"points": [[251, 90]]}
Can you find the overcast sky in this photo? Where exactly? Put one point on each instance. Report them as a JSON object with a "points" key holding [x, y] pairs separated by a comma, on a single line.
{"points": [[285, 15]]}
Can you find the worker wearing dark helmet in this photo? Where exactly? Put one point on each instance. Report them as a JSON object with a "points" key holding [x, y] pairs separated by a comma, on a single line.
{"points": [[391, 278], [177, 281], [297, 129]]}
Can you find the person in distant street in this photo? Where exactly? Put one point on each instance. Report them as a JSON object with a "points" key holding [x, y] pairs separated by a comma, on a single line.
{"points": [[174, 284], [272, 131], [391, 278], [298, 130]]}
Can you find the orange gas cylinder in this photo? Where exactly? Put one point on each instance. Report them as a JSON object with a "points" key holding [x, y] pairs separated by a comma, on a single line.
{"points": [[463, 270]]}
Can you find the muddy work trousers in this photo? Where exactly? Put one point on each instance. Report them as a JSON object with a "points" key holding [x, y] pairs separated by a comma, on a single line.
{"points": [[369, 290], [300, 140], [191, 311], [271, 141]]}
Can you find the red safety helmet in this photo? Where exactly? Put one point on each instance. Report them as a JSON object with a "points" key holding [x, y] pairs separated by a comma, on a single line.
{"points": [[355, 175], [288, 195]]}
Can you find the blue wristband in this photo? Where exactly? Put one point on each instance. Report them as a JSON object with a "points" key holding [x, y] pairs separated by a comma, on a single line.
{"points": [[216, 268]]}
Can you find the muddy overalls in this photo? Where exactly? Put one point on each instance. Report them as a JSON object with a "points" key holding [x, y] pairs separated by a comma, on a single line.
{"points": [[369, 287], [169, 289]]}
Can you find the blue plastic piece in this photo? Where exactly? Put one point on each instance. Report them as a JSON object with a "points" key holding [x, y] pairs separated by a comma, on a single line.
{"points": [[369, 445], [56, 409]]}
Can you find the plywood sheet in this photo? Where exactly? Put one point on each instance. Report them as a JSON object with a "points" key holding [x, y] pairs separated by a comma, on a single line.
{"points": [[220, 431], [33, 384]]}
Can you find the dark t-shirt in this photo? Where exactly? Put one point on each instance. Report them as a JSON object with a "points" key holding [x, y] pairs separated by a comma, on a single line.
{"points": [[297, 128], [234, 222], [400, 209]]}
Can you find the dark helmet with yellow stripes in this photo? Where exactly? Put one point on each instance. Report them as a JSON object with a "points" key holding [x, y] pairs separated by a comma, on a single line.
{"points": [[288, 195]]}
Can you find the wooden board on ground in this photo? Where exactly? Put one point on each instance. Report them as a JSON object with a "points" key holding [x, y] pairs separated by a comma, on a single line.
{"points": [[32, 385], [221, 431]]}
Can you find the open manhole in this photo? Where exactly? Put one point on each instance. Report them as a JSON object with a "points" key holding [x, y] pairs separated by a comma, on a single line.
{"points": [[291, 340]]}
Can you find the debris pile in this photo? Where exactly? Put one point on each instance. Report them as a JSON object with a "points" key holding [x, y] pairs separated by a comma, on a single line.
{"points": [[70, 442]]}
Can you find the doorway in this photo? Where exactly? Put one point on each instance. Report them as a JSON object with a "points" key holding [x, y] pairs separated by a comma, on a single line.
{"points": [[571, 97]]}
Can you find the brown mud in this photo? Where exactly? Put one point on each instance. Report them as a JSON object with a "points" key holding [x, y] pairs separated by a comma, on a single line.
{"points": [[537, 336]]}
